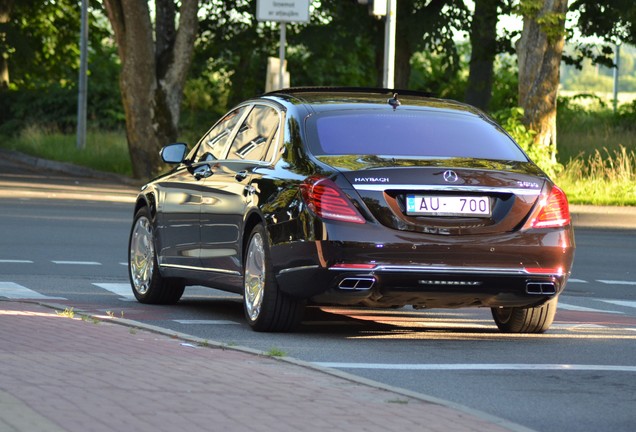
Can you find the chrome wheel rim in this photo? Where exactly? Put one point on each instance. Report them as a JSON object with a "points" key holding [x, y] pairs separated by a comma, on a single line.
{"points": [[142, 255], [254, 277]]}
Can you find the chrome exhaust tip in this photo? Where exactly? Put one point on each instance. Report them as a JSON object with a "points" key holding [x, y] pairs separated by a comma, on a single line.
{"points": [[357, 283], [540, 288]]}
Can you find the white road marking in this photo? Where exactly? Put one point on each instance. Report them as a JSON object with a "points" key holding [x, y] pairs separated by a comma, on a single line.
{"points": [[206, 322], [616, 282], [120, 289], [479, 366], [90, 263], [575, 308], [626, 303], [9, 261], [570, 326], [15, 291], [576, 281]]}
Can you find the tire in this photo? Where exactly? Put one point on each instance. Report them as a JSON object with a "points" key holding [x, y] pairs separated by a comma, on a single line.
{"points": [[146, 281], [267, 309], [526, 320]]}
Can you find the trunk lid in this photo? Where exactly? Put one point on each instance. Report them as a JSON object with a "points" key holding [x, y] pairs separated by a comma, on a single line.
{"points": [[443, 196]]}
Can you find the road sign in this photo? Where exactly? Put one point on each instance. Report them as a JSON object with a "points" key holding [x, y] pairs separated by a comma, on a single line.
{"points": [[282, 10]]}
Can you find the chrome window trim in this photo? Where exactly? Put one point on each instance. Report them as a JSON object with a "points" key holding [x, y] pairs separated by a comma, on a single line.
{"points": [[275, 141]]}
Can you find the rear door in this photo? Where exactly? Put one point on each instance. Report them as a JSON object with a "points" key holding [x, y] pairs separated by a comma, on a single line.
{"points": [[180, 196], [230, 191]]}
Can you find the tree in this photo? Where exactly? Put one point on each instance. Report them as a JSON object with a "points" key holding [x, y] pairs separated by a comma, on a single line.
{"points": [[5, 17], [233, 41], [539, 55], [155, 62], [427, 25], [483, 40]]}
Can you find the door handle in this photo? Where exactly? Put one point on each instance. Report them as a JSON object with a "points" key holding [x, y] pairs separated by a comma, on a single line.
{"points": [[249, 190], [201, 172]]}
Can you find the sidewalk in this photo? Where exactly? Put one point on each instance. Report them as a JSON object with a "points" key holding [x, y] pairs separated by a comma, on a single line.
{"points": [[63, 374]]}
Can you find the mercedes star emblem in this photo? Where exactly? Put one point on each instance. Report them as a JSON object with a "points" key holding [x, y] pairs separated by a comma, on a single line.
{"points": [[450, 176]]}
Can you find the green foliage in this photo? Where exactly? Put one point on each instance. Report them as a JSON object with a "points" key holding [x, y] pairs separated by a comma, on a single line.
{"points": [[205, 100], [511, 120], [604, 178], [431, 72], [105, 151], [585, 123], [505, 86], [41, 42]]}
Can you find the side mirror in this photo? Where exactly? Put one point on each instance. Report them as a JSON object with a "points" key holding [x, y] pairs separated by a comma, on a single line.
{"points": [[174, 153]]}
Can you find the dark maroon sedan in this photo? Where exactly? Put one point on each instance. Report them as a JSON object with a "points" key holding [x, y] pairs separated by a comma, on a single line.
{"points": [[355, 197]]}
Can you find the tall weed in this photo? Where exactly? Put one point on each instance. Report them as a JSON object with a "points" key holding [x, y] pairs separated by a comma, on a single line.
{"points": [[606, 177]]}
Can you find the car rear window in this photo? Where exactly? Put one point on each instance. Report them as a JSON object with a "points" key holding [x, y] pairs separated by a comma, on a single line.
{"points": [[404, 133]]}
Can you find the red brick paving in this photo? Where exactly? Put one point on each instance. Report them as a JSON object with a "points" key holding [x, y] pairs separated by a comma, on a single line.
{"points": [[62, 374]]}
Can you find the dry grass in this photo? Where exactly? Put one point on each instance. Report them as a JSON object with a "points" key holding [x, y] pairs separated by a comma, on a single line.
{"points": [[607, 177]]}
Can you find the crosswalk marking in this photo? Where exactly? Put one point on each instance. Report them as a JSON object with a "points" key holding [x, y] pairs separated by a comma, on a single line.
{"points": [[575, 308], [120, 289], [626, 303], [616, 282], [15, 291]]}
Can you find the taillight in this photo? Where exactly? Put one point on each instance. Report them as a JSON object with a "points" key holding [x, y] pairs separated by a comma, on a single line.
{"points": [[327, 201], [554, 211]]}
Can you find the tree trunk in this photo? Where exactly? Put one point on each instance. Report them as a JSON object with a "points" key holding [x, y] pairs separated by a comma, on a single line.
{"points": [[539, 52], [483, 41], [5, 17], [154, 69]]}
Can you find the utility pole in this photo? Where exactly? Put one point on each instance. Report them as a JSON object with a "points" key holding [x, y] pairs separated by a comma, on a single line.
{"points": [[388, 10], [617, 63], [82, 93], [281, 55], [388, 75]]}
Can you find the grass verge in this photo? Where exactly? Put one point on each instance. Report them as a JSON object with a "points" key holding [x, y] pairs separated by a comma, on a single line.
{"points": [[105, 151], [607, 177]]}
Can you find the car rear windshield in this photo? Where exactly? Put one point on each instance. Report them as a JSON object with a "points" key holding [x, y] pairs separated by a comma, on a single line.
{"points": [[404, 133]]}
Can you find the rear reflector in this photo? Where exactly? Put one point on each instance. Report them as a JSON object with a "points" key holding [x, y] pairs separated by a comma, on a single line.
{"points": [[326, 199], [557, 271], [554, 211], [354, 266]]}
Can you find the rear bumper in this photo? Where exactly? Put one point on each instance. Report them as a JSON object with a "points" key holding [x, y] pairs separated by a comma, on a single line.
{"points": [[422, 286], [516, 269]]}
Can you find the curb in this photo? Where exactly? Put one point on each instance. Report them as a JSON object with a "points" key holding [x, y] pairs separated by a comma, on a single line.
{"points": [[513, 427], [603, 217], [66, 168]]}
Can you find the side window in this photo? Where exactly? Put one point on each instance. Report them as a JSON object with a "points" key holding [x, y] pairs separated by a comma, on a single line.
{"points": [[213, 144], [255, 134]]}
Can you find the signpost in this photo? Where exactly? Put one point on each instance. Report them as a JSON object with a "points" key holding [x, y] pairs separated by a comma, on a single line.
{"points": [[282, 11]]}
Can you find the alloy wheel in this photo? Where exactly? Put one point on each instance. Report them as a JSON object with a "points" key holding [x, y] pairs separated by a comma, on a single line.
{"points": [[142, 255], [254, 277]]}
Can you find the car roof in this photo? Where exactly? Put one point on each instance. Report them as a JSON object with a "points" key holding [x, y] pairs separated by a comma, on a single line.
{"points": [[338, 98]]}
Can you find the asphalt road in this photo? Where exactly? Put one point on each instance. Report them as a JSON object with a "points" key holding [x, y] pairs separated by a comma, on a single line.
{"points": [[64, 241]]}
